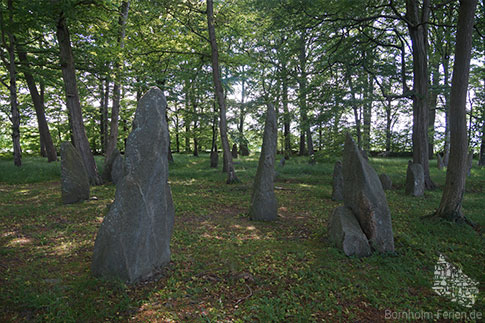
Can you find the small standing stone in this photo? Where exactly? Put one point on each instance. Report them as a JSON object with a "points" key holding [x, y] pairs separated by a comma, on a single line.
{"points": [[338, 182], [415, 179], [264, 205], [117, 169], [469, 163], [364, 195], [234, 151], [439, 161], [386, 182], [133, 242], [345, 233], [74, 177], [214, 158], [244, 150]]}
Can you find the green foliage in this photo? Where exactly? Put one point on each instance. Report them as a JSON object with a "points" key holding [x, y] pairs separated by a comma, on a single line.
{"points": [[225, 267]]}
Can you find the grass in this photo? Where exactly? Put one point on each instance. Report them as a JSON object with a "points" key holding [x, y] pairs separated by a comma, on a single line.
{"points": [[225, 267]]}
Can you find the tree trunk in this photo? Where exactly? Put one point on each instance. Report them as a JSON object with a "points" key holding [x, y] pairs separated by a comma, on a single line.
{"points": [[433, 99], [417, 20], [481, 158], [302, 81], [115, 110], [451, 200], [72, 101], [286, 114], [12, 71], [46, 139], [196, 147], [177, 137], [232, 178], [388, 126], [446, 149], [367, 115], [355, 108]]}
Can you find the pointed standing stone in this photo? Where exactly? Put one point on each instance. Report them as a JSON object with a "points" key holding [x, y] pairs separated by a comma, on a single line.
{"points": [[264, 205], [74, 177], [133, 242], [364, 195], [415, 179], [338, 182]]}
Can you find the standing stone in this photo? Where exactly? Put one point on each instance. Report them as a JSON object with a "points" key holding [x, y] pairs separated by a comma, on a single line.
{"points": [[338, 182], [117, 169], [415, 179], [439, 161], [234, 151], [282, 161], [214, 158], [244, 150], [108, 166], [74, 177], [386, 182], [469, 163], [364, 195], [264, 205], [345, 233], [133, 241]]}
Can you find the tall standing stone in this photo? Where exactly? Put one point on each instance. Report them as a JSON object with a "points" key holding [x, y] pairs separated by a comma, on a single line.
{"points": [[133, 241], [234, 151], [338, 182], [415, 179], [74, 177], [364, 195], [264, 205], [386, 182]]}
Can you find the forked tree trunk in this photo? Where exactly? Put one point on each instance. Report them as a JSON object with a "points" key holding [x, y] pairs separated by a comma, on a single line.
{"points": [[115, 110], [451, 200], [417, 20], [231, 174], [72, 101], [45, 136]]}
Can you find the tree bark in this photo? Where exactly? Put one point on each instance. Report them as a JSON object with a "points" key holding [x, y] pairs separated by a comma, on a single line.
{"points": [[115, 110], [286, 114], [37, 100], [417, 20], [231, 174], [481, 158], [446, 149], [302, 81], [367, 115], [72, 101], [356, 109], [451, 200], [433, 99], [12, 71]]}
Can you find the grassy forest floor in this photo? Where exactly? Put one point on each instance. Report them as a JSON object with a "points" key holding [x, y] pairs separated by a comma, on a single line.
{"points": [[225, 267]]}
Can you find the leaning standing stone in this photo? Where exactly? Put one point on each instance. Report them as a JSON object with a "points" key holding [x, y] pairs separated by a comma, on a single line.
{"points": [[415, 179], [345, 233], [133, 241], [338, 182], [364, 195], [386, 182], [74, 177], [264, 205]]}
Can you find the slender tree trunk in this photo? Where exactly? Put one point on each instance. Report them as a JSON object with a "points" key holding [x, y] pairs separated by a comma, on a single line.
{"points": [[232, 178], [12, 71], [72, 101], [286, 114], [481, 158], [417, 20], [177, 136], [37, 100], [356, 109], [388, 126], [194, 105], [367, 115], [214, 130], [451, 200], [115, 110], [305, 124], [186, 117], [446, 149], [433, 99]]}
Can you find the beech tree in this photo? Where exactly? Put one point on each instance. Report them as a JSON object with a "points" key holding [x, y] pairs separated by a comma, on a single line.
{"points": [[451, 200]]}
